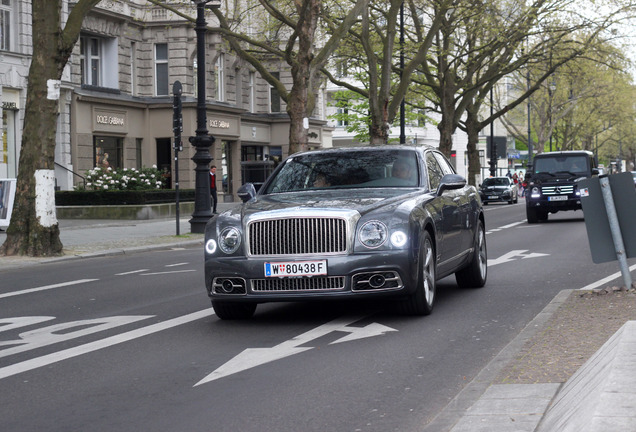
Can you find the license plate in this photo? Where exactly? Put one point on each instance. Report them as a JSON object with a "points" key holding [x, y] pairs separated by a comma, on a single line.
{"points": [[558, 198], [493, 197], [295, 268]]}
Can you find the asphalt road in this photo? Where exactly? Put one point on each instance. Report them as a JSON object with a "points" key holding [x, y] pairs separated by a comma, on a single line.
{"points": [[129, 343]]}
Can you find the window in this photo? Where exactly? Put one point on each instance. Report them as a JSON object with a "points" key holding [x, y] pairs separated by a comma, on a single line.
{"points": [[133, 68], [90, 61], [435, 173], [161, 70], [220, 78], [252, 92], [95, 53], [108, 152], [274, 97], [5, 25]]}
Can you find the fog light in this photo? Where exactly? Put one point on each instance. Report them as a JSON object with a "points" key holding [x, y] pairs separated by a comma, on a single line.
{"points": [[210, 246], [398, 239], [227, 286], [377, 281]]}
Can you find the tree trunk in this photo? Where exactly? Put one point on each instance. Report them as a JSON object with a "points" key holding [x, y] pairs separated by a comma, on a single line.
{"points": [[33, 229], [472, 131]]}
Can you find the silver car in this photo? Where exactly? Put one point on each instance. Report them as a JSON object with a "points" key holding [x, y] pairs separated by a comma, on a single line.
{"points": [[348, 223]]}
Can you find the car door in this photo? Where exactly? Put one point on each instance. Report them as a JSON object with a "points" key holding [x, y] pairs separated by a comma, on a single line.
{"points": [[464, 198], [447, 208]]}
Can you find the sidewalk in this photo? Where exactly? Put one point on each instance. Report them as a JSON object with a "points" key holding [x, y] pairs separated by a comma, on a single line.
{"points": [[82, 238], [523, 389]]}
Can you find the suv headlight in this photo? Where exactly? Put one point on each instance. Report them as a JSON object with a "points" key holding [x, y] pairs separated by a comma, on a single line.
{"points": [[373, 234], [535, 192], [229, 240]]}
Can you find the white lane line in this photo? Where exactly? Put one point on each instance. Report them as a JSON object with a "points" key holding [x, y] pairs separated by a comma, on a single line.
{"points": [[104, 343], [47, 287], [168, 272], [177, 264], [610, 278], [514, 224], [131, 272]]}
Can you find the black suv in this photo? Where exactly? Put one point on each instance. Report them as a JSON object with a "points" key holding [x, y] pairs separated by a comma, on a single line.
{"points": [[552, 183]]}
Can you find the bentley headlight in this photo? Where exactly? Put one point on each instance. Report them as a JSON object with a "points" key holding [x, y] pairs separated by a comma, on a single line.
{"points": [[373, 234], [229, 240]]}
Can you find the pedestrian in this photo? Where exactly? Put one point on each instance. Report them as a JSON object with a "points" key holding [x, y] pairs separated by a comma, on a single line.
{"points": [[213, 188], [509, 174]]}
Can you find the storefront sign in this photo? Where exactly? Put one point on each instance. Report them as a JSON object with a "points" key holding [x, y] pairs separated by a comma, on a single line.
{"points": [[220, 124], [110, 121], [9, 105]]}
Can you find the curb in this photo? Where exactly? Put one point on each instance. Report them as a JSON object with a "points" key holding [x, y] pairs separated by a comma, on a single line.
{"points": [[456, 408]]}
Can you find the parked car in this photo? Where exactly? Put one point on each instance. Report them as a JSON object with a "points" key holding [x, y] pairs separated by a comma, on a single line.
{"points": [[354, 223], [499, 189], [553, 182]]}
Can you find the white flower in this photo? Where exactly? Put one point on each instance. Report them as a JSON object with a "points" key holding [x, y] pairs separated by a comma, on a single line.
{"points": [[105, 187], [154, 166]]}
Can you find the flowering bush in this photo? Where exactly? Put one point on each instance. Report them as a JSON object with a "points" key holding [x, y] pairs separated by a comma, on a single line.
{"points": [[124, 179]]}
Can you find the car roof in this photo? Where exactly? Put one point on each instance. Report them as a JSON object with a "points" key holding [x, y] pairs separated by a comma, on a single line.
{"points": [[566, 153], [335, 150]]}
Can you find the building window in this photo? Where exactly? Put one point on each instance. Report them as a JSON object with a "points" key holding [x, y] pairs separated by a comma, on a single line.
{"points": [[220, 78], [161, 70], [251, 153], [138, 152], [90, 61], [252, 92], [274, 97], [5, 25], [133, 68], [95, 53], [108, 152]]}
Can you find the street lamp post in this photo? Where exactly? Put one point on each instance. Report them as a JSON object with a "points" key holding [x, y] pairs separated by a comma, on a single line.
{"points": [[202, 141], [402, 108]]}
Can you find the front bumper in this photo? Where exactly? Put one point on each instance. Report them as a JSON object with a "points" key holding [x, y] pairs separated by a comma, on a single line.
{"points": [[373, 274], [546, 203]]}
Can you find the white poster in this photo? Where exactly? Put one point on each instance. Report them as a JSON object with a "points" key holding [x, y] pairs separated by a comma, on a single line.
{"points": [[7, 195]]}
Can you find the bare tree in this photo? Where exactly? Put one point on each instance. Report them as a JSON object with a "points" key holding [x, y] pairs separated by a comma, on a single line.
{"points": [[33, 229]]}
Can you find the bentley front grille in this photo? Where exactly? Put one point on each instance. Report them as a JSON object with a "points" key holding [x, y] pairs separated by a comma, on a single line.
{"points": [[297, 236], [299, 284], [558, 190]]}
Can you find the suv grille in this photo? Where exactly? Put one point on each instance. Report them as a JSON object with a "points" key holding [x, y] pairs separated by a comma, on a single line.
{"points": [[297, 284], [297, 236], [558, 190]]}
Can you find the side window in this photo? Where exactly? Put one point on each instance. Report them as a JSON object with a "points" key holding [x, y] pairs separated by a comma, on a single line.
{"points": [[435, 172], [447, 168]]}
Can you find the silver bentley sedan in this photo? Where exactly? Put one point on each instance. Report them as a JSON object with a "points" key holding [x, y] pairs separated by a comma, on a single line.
{"points": [[386, 221]]}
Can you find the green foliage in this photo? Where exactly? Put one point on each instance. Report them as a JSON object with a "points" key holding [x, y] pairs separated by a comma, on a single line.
{"points": [[353, 112], [109, 179]]}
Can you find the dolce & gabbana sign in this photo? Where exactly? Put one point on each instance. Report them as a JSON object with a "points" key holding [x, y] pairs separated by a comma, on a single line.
{"points": [[111, 121]]}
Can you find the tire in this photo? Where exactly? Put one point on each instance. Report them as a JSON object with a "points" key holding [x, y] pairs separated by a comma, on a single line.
{"points": [[531, 214], [542, 216], [475, 275], [232, 310], [422, 300]]}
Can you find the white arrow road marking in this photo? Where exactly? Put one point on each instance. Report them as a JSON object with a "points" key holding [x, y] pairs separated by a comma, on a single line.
{"points": [[47, 287], [513, 255], [104, 343], [253, 357]]}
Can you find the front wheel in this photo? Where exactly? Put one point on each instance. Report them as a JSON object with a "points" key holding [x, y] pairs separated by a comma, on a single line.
{"points": [[232, 310], [531, 214], [422, 300], [474, 276]]}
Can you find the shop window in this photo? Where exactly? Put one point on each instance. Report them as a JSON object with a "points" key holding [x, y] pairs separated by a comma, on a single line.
{"points": [[95, 53], [6, 24], [161, 70], [251, 153], [108, 152]]}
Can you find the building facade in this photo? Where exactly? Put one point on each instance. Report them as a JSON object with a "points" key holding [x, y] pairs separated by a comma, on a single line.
{"points": [[116, 102]]}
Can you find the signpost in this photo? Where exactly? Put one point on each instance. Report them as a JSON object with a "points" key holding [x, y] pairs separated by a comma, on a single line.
{"points": [[609, 205]]}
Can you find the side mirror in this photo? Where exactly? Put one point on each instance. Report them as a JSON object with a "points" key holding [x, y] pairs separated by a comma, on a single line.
{"points": [[246, 192], [595, 172], [450, 182]]}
